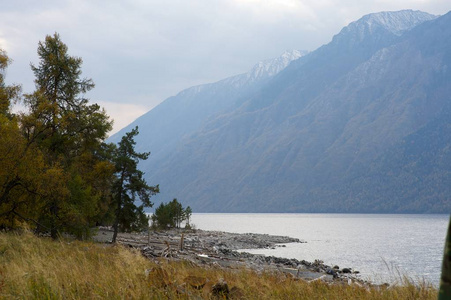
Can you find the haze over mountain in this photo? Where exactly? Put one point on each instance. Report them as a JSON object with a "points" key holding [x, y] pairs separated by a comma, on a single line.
{"points": [[163, 128], [362, 124]]}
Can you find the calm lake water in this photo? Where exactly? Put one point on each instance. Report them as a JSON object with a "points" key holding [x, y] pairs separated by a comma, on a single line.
{"points": [[379, 246]]}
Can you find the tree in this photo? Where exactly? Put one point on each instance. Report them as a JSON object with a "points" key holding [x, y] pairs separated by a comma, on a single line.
{"points": [[8, 93], [22, 175], [68, 124], [178, 213], [170, 215], [22, 171], [69, 132], [129, 186], [56, 172], [188, 212], [163, 217]]}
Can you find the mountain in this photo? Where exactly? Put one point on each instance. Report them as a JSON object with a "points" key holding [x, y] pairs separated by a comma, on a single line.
{"points": [[162, 128], [359, 125]]}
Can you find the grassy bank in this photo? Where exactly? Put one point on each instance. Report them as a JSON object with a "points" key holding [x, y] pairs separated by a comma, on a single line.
{"points": [[39, 268]]}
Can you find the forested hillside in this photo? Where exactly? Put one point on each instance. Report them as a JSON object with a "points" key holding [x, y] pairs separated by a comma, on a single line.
{"points": [[359, 125]]}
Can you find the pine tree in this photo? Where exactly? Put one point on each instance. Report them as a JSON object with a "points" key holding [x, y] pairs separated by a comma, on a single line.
{"points": [[187, 214], [171, 215], [68, 124], [69, 132], [130, 186], [177, 210]]}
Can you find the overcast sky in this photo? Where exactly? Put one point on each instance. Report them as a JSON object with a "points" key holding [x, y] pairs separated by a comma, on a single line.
{"points": [[140, 52]]}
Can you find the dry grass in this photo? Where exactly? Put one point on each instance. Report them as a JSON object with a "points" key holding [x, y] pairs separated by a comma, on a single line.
{"points": [[38, 268]]}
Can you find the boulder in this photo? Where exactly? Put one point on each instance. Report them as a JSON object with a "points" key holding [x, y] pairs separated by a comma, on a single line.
{"points": [[220, 289], [346, 271], [332, 272]]}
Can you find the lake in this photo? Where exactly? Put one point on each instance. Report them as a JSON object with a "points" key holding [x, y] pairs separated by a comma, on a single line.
{"points": [[379, 246]]}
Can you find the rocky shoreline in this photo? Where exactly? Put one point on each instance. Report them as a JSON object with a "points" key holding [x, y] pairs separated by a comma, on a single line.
{"points": [[219, 249]]}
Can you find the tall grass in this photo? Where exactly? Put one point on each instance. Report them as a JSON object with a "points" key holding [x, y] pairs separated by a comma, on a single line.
{"points": [[39, 268]]}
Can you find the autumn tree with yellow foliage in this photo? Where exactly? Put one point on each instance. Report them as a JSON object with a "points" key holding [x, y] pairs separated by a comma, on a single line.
{"points": [[69, 132], [21, 164], [56, 172]]}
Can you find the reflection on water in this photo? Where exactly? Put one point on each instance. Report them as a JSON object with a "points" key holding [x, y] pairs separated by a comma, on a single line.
{"points": [[379, 246]]}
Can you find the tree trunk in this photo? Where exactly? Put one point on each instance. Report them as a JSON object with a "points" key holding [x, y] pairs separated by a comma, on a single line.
{"points": [[445, 282], [116, 229], [53, 226], [54, 232], [119, 207], [116, 221]]}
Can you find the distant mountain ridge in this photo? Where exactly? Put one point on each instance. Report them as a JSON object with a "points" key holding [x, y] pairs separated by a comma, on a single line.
{"points": [[262, 70], [395, 22], [208, 99], [163, 128], [271, 67], [359, 125]]}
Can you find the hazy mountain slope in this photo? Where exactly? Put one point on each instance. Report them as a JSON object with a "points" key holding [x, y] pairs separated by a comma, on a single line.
{"points": [[414, 172], [163, 128], [320, 135], [355, 44]]}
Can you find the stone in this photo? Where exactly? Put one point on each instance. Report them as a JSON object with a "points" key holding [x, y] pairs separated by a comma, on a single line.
{"points": [[346, 270], [332, 272], [220, 289]]}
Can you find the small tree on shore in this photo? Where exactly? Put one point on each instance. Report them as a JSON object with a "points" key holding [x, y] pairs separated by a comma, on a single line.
{"points": [[170, 215], [188, 213], [177, 210]]}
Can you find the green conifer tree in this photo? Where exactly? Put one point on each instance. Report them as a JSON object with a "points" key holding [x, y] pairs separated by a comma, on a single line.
{"points": [[130, 186]]}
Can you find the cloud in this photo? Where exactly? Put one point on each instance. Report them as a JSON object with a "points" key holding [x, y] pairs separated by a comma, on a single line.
{"points": [[122, 113], [140, 52], [277, 10]]}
